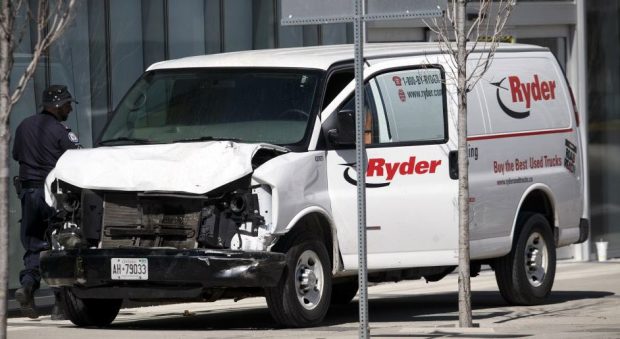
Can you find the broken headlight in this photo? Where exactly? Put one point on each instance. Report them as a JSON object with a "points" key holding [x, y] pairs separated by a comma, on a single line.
{"points": [[65, 232], [69, 202], [67, 237], [234, 214]]}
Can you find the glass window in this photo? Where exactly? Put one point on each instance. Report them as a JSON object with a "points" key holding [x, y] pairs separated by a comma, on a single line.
{"points": [[603, 121], [98, 64], [186, 31], [213, 27], [153, 31], [237, 19], [264, 23], [370, 128], [332, 34], [412, 105], [185, 105], [126, 61]]}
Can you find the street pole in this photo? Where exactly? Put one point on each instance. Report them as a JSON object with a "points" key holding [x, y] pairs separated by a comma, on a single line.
{"points": [[360, 164], [304, 12], [583, 250]]}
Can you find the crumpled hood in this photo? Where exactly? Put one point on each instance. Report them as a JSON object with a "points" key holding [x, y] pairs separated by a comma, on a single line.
{"points": [[183, 167]]}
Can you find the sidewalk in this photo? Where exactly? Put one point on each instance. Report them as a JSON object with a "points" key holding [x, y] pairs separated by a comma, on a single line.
{"points": [[584, 304]]}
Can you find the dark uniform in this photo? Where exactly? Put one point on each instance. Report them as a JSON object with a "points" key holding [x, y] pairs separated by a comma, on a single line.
{"points": [[39, 141]]}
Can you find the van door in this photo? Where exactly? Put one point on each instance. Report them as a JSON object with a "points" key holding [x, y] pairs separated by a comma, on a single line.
{"points": [[412, 203]]}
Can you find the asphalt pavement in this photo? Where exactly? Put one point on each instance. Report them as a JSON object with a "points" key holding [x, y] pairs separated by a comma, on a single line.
{"points": [[585, 303]]}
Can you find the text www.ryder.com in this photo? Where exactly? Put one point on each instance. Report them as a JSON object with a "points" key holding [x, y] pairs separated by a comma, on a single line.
{"points": [[426, 93], [511, 181]]}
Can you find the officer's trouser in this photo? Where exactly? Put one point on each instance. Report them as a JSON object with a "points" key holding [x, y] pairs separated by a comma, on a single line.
{"points": [[35, 216]]}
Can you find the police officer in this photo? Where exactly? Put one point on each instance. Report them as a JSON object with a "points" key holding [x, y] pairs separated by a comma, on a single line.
{"points": [[39, 141]]}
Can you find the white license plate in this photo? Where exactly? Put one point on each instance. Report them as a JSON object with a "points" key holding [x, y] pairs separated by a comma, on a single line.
{"points": [[129, 268]]}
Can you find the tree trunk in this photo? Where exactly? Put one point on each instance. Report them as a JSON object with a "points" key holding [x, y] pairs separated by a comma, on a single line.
{"points": [[5, 108], [465, 318], [49, 28], [4, 225]]}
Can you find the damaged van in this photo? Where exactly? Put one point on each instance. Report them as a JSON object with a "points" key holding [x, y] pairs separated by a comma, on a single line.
{"points": [[233, 175]]}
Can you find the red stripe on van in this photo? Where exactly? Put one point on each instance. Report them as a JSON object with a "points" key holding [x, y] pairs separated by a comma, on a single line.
{"points": [[519, 134]]}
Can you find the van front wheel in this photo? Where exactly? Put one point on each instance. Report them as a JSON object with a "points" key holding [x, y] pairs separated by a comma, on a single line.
{"points": [[301, 298], [343, 292], [89, 312], [525, 275]]}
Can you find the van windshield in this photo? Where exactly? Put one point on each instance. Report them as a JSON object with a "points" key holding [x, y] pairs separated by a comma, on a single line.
{"points": [[272, 106]]}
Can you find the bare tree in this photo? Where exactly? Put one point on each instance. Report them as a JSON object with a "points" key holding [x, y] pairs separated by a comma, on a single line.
{"points": [[50, 22], [484, 34]]}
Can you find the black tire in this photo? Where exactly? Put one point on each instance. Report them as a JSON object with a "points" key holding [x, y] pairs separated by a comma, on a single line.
{"points": [[89, 312], [525, 275], [343, 292], [287, 302]]}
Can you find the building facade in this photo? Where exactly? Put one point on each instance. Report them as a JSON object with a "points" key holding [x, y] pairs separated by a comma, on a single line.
{"points": [[111, 42]]}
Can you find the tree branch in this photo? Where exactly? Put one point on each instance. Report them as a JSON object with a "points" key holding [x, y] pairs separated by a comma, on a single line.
{"points": [[47, 33], [491, 41]]}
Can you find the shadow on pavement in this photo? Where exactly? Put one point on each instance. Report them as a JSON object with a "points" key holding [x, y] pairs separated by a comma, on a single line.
{"points": [[42, 310], [444, 334], [442, 307]]}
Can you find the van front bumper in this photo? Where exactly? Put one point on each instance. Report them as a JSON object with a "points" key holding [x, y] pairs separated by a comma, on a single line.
{"points": [[172, 273]]}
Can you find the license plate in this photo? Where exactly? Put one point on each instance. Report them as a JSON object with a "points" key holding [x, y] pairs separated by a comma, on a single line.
{"points": [[129, 268]]}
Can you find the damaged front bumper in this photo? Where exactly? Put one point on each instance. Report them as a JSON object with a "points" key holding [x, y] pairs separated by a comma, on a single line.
{"points": [[172, 273]]}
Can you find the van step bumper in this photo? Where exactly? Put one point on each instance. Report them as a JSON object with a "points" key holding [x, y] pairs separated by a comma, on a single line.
{"points": [[584, 230], [171, 272]]}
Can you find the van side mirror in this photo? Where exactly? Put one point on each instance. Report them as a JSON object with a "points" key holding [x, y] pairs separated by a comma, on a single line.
{"points": [[453, 159], [344, 133]]}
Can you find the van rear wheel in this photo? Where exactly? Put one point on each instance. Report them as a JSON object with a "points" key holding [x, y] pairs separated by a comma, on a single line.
{"points": [[301, 298], [525, 275]]}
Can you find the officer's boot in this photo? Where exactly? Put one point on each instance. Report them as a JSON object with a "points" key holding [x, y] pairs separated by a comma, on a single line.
{"points": [[25, 297], [58, 312]]}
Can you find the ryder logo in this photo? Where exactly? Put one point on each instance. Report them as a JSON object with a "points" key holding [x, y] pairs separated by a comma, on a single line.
{"points": [[523, 94], [387, 171], [401, 95]]}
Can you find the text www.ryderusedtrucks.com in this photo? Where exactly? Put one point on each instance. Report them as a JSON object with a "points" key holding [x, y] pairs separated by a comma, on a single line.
{"points": [[510, 181]]}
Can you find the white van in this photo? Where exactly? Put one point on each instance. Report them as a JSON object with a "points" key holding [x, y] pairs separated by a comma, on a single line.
{"points": [[232, 175]]}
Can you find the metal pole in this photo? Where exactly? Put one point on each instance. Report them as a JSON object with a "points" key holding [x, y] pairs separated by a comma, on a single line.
{"points": [[582, 94], [360, 165]]}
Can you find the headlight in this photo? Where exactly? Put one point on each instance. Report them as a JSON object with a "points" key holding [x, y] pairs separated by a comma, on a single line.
{"points": [[68, 237], [67, 196], [69, 202], [237, 203]]}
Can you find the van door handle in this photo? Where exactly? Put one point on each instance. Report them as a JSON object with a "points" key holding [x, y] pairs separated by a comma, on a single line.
{"points": [[453, 160]]}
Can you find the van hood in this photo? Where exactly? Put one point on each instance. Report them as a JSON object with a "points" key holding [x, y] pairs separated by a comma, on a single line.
{"points": [[182, 167]]}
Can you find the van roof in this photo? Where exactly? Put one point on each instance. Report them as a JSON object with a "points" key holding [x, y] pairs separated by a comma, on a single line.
{"points": [[317, 57]]}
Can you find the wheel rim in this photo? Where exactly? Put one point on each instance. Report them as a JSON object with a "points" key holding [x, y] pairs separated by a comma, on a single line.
{"points": [[309, 279], [536, 259]]}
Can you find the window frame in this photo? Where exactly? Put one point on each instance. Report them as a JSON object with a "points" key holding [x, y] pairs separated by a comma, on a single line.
{"points": [[301, 145], [373, 107], [444, 104]]}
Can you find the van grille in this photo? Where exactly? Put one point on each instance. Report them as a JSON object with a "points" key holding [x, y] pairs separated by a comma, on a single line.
{"points": [[130, 220]]}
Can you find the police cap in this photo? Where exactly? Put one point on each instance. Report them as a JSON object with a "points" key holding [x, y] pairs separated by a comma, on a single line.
{"points": [[57, 95]]}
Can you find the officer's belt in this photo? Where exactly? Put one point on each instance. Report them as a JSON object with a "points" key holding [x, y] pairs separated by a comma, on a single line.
{"points": [[32, 184]]}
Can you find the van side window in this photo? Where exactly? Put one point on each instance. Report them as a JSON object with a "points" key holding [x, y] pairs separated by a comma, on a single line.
{"points": [[371, 135], [413, 103], [336, 83]]}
